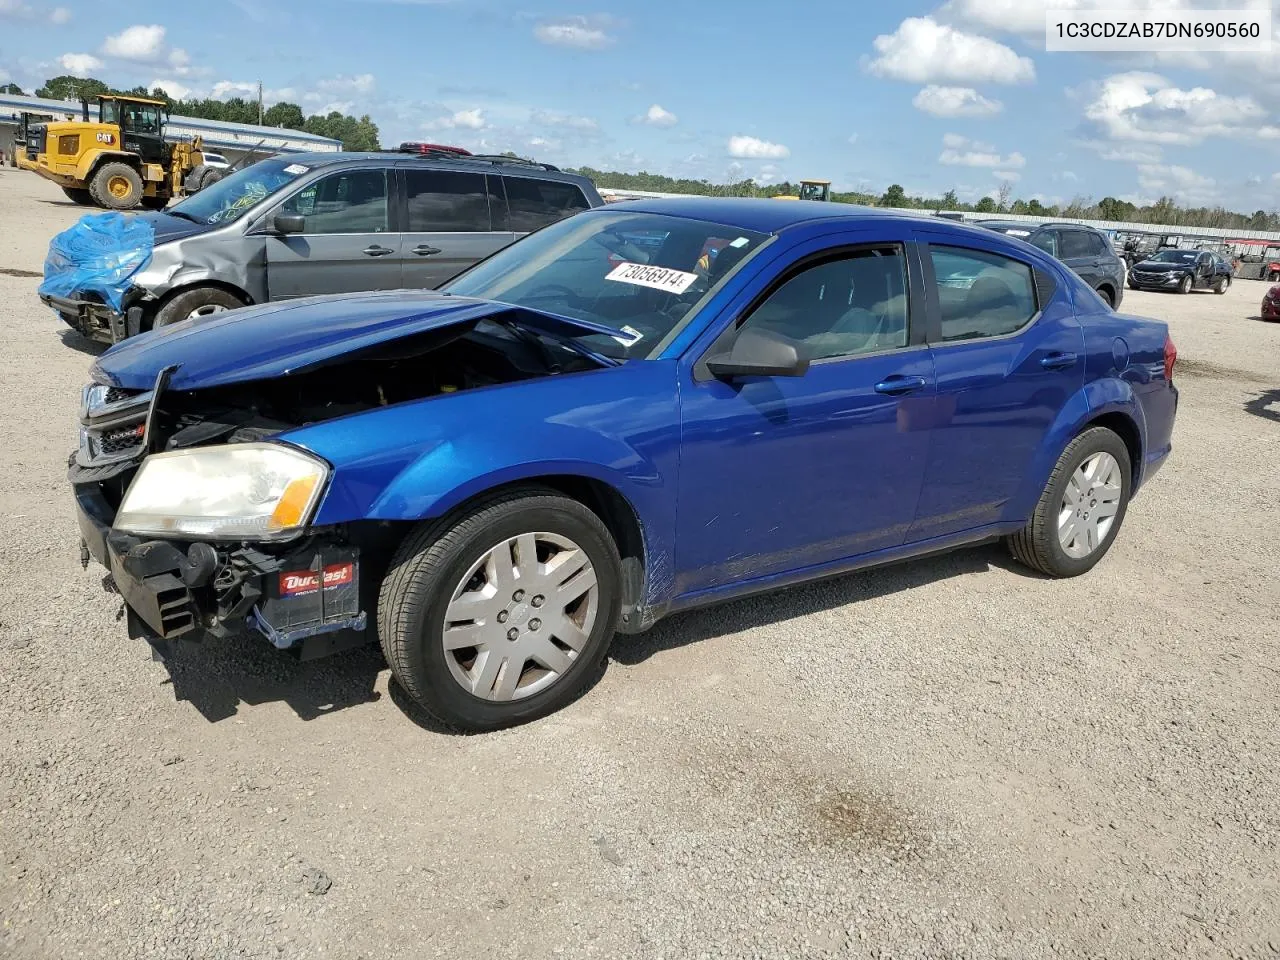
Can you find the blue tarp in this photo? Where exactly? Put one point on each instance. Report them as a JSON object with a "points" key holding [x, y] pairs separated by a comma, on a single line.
{"points": [[98, 255]]}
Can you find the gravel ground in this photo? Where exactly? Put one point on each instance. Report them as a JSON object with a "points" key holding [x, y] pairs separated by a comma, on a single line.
{"points": [[946, 759]]}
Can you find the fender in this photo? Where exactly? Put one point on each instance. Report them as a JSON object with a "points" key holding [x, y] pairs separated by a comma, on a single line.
{"points": [[186, 279], [418, 460], [95, 158], [1095, 399]]}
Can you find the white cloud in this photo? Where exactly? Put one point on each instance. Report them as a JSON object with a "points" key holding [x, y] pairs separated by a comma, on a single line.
{"points": [[853, 139], [955, 102], [1144, 107], [656, 116], [1011, 175], [751, 148], [139, 42], [922, 50], [362, 84], [460, 120], [960, 151], [19, 10], [1181, 182], [175, 89], [79, 64], [579, 33], [568, 121]]}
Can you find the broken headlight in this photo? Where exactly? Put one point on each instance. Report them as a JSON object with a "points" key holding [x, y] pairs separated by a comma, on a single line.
{"points": [[242, 491]]}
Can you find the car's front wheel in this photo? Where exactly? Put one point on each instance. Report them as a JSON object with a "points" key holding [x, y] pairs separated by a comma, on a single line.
{"points": [[503, 614], [1081, 509]]}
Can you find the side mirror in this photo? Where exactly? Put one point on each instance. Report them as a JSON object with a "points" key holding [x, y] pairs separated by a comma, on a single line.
{"points": [[759, 353], [286, 223]]}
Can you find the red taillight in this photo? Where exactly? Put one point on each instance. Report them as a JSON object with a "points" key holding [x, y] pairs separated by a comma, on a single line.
{"points": [[1170, 357]]}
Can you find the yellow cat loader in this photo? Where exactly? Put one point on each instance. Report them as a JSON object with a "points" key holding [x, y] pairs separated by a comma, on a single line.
{"points": [[121, 161], [810, 190]]}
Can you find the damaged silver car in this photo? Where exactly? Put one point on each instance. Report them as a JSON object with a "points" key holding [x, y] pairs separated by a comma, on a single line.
{"points": [[306, 225]]}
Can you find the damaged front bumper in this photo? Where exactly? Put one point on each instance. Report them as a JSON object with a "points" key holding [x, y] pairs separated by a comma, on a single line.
{"points": [[97, 321], [303, 598]]}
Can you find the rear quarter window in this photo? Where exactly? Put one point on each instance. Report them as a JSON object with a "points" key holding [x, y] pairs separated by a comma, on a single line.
{"points": [[535, 203]]}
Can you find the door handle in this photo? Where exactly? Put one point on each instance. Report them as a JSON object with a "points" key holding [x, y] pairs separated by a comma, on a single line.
{"points": [[425, 250], [376, 251], [897, 385], [1058, 361]]}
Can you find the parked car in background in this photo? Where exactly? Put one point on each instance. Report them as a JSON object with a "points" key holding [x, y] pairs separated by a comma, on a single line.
{"points": [[215, 160], [1182, 271], [486, 479], [1271, 304], [1083, 249], [301, 225]]}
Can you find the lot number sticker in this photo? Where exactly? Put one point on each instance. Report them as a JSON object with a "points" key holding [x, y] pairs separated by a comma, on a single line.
{"points": [[660, 278]]}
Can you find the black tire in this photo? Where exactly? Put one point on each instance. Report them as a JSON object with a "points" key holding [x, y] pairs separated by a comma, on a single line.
{"points": [[1037, 545], [428, 565], [79, 195], [211, 176], [1107, 296], [1221, 284], [112, 173], [154, 203], [182, 306], [192, 183], [1185, 284]]}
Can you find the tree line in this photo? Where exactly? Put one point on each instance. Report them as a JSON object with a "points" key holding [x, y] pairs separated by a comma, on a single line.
{"points": [[356, 133], [1166, 210]]}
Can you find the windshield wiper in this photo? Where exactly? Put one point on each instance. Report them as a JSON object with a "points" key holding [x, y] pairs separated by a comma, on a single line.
{"points": [[185, 216]]}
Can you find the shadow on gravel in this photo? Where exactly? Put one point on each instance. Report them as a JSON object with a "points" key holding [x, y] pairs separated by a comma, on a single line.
{"points": [[216, 677], [786, 604], [1265, 405], [82, 344]]}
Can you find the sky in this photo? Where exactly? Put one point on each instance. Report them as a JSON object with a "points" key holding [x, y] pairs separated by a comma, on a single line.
{"points": [[958, 94]]}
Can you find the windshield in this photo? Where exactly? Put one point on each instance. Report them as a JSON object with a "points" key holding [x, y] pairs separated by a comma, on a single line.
{"points": [[641, 273], [1175, 256], [228, 200]]}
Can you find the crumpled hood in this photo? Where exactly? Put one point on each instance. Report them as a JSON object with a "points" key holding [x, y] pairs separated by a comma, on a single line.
{"points": [[277, 339], [168, 227]]}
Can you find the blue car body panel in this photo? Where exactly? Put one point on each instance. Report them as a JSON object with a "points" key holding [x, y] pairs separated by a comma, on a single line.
{"points": [[736, 486]]}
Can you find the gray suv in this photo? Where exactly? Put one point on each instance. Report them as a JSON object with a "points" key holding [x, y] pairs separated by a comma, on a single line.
{"points": [[309, 224], [1083, 249]]}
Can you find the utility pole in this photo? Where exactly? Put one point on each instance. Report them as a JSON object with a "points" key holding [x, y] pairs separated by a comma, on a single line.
{"points": [[259, 103]]}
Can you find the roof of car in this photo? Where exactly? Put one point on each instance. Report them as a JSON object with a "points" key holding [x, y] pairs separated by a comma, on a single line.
{"points": [[766, 216], [460, 162]]}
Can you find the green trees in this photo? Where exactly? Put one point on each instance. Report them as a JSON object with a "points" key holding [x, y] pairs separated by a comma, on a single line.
{"points": [[895, 196], [67, 87]]}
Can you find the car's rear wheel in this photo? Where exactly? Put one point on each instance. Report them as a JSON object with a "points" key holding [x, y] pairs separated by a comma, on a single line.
{"points": [[1083, 505], [1220, 287], [502, 614], [1185, 284], [1107, 296], [200, 302]]}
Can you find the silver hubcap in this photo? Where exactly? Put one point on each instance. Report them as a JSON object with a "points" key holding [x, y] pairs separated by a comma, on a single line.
{"points": [[521, 616], [206, 310], [1090, 505]]}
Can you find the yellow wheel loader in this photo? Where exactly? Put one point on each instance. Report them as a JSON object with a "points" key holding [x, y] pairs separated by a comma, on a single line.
{"points": [[120, 161], [810, 190]]}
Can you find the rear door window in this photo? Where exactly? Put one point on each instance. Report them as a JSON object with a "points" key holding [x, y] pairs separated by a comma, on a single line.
{"points": [[536, 203], [445, 201], [1075, 244], [982, 294]]}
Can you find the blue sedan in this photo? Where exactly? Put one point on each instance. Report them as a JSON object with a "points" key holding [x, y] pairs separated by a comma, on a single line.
{"points": [[638, 410]]}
